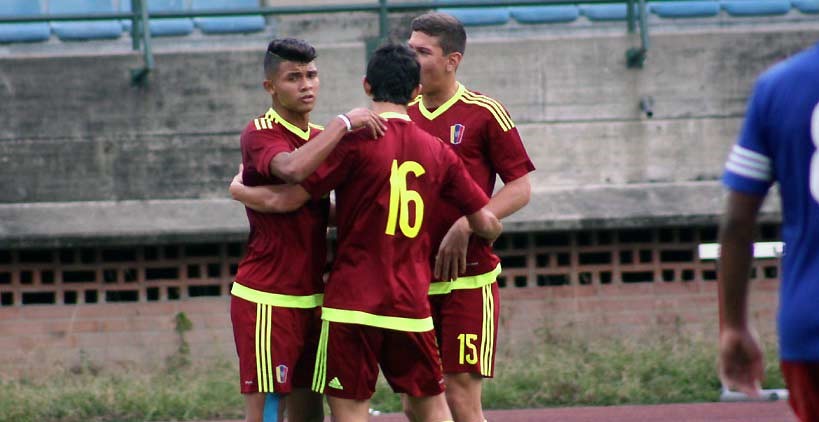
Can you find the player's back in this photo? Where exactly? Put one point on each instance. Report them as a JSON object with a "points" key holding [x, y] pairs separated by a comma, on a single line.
{"points": [[392, 189], [785, 115], [791, 126]]}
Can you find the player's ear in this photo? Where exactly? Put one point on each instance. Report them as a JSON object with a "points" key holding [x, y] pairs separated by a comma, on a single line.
{"points": [[269, 87], [416, 91], [368, 89], [453, 60]]}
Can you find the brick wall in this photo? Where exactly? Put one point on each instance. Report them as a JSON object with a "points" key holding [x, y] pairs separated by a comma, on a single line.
{"points": [[625, 282]]}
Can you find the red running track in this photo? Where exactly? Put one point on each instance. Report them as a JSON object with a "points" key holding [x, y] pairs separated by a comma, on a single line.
{"points": [[692, 412], [777, 411]]}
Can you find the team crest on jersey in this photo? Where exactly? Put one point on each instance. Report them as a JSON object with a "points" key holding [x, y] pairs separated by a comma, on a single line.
{"points": [[456, 133], [281, 374]]}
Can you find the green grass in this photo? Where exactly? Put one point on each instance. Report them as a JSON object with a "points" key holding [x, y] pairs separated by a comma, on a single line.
{"points": [[556, 370], [563, 370]]}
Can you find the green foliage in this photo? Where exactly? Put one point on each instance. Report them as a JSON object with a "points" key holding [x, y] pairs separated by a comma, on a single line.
{"points": [[181, 358]]}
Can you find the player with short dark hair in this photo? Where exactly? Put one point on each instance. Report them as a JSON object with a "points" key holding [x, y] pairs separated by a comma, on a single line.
{"points": [[278, 287], [480, 130], [388, 192], [778, 143]]}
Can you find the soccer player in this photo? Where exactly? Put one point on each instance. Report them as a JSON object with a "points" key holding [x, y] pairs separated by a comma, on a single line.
{"points": [[778, 143], [481, 132], [375, 308], [277, 291]]}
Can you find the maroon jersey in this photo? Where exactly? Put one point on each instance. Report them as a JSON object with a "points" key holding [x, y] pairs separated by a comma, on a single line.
{"points": [[387, 192], [286, 253], [481, 132]]}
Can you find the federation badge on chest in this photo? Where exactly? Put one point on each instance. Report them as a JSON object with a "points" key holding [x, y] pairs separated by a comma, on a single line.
{"points": [[456, 133]]}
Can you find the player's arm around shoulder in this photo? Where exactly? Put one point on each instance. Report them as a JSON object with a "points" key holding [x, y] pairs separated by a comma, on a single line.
{"points": [[293, 167], [268, 198]]}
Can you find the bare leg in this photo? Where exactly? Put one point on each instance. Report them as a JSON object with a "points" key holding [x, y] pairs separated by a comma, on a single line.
{"points": [[304, 405], [407, 408], [463, 394], [347, 410], [254, 407], [430, 409]]}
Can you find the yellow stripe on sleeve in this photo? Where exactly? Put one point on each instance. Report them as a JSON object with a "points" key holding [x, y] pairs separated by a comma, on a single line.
{"points": [[500, 114], [256, 122], [495, 104]]}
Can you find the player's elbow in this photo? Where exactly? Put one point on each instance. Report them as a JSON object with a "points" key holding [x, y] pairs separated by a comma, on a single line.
{"points": [[234, 191], [293, 175], [523, 190], [484, 224]]}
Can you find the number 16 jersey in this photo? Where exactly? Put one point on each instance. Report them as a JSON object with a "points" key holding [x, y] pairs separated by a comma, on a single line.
{"points": [[387, 192]]}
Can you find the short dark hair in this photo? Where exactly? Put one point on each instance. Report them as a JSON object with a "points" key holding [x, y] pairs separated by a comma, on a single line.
{"points": [[287, 49], [393, 73], [449, 30]]}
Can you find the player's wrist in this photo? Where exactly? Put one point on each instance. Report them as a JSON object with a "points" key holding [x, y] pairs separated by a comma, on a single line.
{"points": [[464, 224], [346, 121]]}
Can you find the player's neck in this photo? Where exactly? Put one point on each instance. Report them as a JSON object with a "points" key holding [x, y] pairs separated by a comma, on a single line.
{"points": [[385, 107], [436, 98], [300, 120]]}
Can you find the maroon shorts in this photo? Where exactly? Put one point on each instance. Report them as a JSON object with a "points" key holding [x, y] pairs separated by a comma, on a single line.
{"points": [[276, 345], [466, 324], [347, 365], [802, 379]]}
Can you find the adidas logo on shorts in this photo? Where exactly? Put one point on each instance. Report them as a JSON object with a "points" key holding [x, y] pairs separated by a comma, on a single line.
{"points": [[335, 383]]}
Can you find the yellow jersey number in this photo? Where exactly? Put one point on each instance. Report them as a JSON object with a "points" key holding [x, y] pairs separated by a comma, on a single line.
{"points": [[401, 197], [468, 342]]}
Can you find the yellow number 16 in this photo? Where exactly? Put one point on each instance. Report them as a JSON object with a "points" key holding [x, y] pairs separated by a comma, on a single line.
{"points": [[401, 197]]}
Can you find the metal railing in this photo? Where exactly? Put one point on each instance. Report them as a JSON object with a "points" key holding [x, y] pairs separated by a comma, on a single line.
{"points": [[141, 34]]}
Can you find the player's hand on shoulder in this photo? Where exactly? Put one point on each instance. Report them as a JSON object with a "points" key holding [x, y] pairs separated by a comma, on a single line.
{"points": [[366, 118]]}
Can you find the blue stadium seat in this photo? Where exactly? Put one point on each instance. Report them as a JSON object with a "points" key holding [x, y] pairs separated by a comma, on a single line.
{"points": [[228, 24], [84, 30], [162, 27], [545, 14], [22, 32], [605, 12], [756, 7], [806, 6], [685, 9], [479, 16]]}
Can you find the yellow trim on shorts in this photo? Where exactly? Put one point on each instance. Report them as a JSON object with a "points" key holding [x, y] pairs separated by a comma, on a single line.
{"points": [[415, 325], [320, 368], [275, 299], [264, 367], [487, 331], [469, 282]]}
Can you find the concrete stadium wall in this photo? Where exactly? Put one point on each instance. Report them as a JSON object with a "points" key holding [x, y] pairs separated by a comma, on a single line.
{"points": [[40, 338], [72, 128]]}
